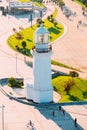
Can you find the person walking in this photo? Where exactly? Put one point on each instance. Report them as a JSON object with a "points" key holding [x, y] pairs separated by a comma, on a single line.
{"points": [[77, 26], [75, 121], [59, 108], [53, 113], [63, 111], [30, 122]]}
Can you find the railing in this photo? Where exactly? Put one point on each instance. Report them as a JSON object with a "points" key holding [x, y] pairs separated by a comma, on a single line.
{"points": [[20, 4], [42, 50]]}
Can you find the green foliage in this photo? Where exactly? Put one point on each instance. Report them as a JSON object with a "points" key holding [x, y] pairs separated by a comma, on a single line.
{"points": [[85, 94], [19, 36], [62, 65], [83, 1], [60, 2], [39, 22], [74, 74], [77, 91], [23, 44], [12, 82], [48, 18], [68, 85], [28, 35], [74, 98], [55, 23], [84, 5], [52, 19]]}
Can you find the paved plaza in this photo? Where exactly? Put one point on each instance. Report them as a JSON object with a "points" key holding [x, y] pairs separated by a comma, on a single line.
{"points": [[70, 49], [17, 116]]}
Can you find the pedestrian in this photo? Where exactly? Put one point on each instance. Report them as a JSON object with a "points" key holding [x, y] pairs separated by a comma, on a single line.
{"points": [[75, 121], [63, 111], [32, 128], [74, 13], [60, 108], [30, 122], [83, 12], [77, 26], [53, 113], [80, 22]]}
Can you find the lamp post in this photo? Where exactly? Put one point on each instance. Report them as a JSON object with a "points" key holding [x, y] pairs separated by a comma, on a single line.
{"points": [[16, 62], [2, 107], [41, 14], [31, 16]]}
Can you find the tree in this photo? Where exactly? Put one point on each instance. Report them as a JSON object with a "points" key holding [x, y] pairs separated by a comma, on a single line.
{"points": [[23, 44], [12, 82], [39, 22], [68, 85], [55, 23], [74, 74]]}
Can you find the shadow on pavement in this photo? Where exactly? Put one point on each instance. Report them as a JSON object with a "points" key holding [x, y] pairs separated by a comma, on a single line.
{"points": [[60, 117]]}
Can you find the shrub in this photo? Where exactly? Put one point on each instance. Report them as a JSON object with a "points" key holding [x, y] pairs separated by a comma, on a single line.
{"points": [[17, 48], [38, 20], [85, 94], [74, 98], [55, 23], [12, 82], [23, 44], [19, 36], [48, 18], [73, 74], [68, 85]]}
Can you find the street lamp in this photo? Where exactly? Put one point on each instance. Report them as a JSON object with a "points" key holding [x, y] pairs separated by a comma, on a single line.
{"points": [[31, 17], [16, 62], [2, 107], [41, 14]]}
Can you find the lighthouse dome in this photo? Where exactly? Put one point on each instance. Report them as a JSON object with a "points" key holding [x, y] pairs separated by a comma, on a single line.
{"points": [[42, 30]]}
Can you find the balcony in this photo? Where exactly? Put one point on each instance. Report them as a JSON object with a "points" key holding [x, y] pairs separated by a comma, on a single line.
{"points": [[42, 50]]}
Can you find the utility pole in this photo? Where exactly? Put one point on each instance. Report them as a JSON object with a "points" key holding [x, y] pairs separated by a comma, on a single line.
{"points": [[2, 107]]}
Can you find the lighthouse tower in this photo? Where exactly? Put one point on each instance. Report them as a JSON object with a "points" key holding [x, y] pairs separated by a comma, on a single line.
{"points": [[41, 90]]}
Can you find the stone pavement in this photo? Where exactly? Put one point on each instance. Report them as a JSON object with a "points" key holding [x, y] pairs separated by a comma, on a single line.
{"points": [[16, 114], [72, 48], [58, 49]]}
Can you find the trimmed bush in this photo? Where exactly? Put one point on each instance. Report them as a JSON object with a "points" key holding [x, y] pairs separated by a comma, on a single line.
{"points": [[68, 85], [74, 74], [12, 82]]}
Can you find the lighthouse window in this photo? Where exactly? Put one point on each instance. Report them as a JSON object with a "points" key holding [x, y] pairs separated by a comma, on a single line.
{"points": [[41, 38], [46, 38]]}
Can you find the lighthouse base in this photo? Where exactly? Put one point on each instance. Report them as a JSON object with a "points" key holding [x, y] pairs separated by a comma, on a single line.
{"points": [[38, 96]]}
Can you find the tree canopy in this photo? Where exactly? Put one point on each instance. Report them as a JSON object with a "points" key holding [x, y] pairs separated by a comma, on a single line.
{"points": [[84, 2]]}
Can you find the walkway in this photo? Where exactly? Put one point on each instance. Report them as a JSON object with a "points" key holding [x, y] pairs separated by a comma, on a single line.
{"points": [[17, 115], [9, 57], [72, 48]]}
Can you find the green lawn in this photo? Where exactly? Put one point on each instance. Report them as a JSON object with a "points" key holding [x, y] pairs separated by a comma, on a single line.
{"points": [[28, 34], [63, 65], [78, 91]]}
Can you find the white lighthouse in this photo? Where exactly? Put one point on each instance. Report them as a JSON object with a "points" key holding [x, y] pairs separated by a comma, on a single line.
{"points": [[41, 91]]}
